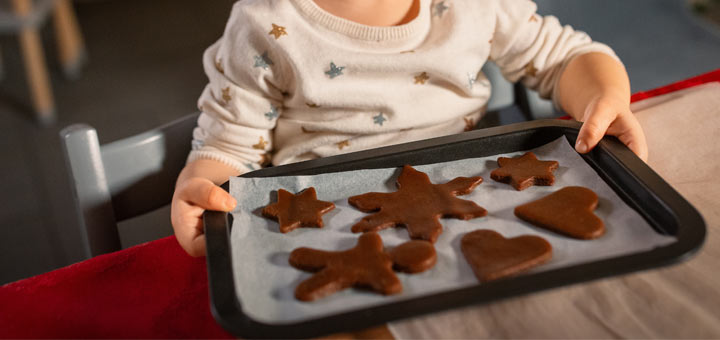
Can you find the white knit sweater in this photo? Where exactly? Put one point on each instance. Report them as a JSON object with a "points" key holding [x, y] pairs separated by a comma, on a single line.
{"points": [[289, 81]]}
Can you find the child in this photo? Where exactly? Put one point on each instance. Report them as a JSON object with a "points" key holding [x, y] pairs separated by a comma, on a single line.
{"points": [[293, 80]]}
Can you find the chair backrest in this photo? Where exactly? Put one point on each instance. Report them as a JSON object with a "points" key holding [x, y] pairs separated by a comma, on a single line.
{"points": [[124, 178]]}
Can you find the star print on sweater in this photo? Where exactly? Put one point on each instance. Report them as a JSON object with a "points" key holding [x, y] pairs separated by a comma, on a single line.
{"points": [[421, 78], [272, 114], [343, 144], [379, 119], [439, 9], [226, 95], [472, 78], [219, 66], [530, 69], [334, 70], [263, 61], [262, 143], [277, 31]]}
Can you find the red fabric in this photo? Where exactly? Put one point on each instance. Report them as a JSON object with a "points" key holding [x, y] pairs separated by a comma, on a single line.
{"points": [[687, 83], [154, 290]]}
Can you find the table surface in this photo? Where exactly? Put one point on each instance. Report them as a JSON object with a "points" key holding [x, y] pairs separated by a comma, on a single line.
{"points": [[155, 290]]}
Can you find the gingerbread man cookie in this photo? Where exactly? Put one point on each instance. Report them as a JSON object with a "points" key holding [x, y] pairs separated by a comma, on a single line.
{"points": [[301, 210], [365, 265], [418, 205], [493, 256], [524, 171], [568, 211]]}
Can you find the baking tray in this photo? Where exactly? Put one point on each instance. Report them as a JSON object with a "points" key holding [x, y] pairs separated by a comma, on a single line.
{"points": [[638, 185]]}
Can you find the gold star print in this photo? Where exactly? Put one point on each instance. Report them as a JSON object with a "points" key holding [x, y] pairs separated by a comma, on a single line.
{"points": [[277, 31], [264, 159], [226, 94], [343, 144], [533, 18], [530, 69], [421, 78], [312, 105], [469, 124], [410, 51], [219, 67], [261, 144]]}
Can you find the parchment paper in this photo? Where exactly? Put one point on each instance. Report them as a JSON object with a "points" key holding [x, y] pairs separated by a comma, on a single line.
{"points": [[265, 282]]}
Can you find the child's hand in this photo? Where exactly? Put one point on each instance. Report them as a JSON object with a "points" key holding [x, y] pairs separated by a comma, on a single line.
{"points": [[594, 89], [609, 116], [192, 197]]}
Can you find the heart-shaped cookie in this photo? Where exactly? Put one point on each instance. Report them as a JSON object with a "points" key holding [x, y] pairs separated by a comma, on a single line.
{"points": [[568, 211], [493, 256]]}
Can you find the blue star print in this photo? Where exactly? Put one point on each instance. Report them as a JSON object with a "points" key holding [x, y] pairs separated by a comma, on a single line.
{"points": [[440, 8], [263, 61], [272, 114], [334, 70], [471, 80], [379, 119]]}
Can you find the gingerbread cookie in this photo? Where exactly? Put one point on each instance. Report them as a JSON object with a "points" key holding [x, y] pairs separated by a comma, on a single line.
{"points": [[413, 256], [568, 211], [418, 205], [301, 210], [493, 256], [365, 265], [524, 171]]}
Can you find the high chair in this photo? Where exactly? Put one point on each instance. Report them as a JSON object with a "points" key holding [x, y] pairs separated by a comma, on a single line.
{"points": [[122, 179]]}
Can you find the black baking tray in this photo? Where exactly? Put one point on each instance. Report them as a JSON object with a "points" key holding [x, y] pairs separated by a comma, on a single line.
{"points": [[638, 185]]}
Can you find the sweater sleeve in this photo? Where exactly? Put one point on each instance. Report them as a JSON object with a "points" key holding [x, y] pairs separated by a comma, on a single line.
{"points": [[243, 99], [534, 49]]}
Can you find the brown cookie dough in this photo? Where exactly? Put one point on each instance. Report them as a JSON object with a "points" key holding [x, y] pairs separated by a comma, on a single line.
{"points": [[413, 256], [366, 265], [524, 171], [568, 211], [493, 256], [301, 210], [418, 205]]}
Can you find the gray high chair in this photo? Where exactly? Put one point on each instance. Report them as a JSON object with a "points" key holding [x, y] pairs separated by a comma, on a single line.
{"points": [[133, 176], [122, 179]]}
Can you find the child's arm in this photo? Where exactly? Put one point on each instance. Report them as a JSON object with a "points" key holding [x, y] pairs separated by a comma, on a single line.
{"points": [[240, 107], [197, 190], [582, 77], [594, 89]]}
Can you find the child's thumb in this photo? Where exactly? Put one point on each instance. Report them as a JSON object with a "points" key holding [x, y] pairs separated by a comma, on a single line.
{"points": [[205, 194], [591, 132]]}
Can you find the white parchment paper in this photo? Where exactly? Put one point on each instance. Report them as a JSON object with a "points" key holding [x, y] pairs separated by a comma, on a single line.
{"points": [[265, 282]]}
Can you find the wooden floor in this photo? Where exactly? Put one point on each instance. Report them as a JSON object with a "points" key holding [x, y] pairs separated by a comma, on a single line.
{"points": [[144, 69]]}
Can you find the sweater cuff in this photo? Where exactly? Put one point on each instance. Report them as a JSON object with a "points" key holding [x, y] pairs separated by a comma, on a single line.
{"points": [[242, 167]]}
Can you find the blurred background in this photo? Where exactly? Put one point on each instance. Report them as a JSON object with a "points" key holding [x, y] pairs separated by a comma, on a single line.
{"points": [[143, 68]]}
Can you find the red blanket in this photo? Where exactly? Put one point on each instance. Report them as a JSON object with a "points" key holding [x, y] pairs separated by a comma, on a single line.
{"points": [[153, 290]]}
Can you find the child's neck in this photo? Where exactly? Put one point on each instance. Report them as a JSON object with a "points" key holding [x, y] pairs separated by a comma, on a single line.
{"points": [[373, 12]]}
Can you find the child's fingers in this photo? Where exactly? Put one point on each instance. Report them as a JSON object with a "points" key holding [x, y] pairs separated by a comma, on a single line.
{"points": [[205, 194], [631, 134], [594, 128], [187, 223]]}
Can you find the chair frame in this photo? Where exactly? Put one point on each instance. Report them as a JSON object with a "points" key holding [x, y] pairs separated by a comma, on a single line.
{"points": [[122, 179]]}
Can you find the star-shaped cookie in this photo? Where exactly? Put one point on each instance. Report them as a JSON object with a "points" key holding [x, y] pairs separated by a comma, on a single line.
{"points": [[301, 210], [365, 265], [418, 205], [524, 171]]}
